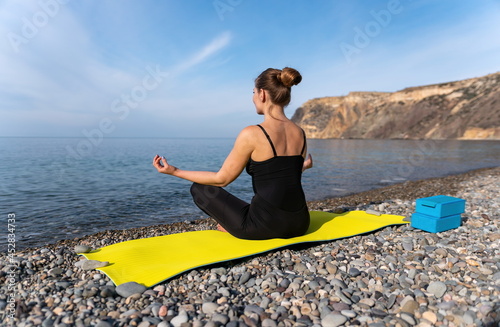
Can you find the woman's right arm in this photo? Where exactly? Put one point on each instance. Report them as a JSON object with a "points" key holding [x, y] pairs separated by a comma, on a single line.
{"points": [[230, 170]]}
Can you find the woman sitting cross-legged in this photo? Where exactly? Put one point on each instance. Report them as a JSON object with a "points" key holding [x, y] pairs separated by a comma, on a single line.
{"points": [[274, 154]]}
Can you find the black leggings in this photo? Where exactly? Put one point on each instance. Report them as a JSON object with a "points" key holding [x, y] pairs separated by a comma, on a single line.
{"points": [[258, 220]]}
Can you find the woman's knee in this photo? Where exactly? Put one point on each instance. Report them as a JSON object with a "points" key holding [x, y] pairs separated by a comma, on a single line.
{"points": [[204, 194], [194, 188]]}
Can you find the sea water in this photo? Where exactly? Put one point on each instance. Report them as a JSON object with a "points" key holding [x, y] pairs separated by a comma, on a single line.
{"points": [[59, 188]]}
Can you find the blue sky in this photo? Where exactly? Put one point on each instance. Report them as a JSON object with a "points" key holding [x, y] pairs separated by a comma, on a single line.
{"points": [[186, 68]]}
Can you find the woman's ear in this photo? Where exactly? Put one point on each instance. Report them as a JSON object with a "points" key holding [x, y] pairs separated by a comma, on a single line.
{"points": [[262, 95]]}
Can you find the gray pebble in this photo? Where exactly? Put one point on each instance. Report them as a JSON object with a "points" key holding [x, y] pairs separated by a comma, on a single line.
{"points": [[300, 267], [252, 308], [437, 289], [219, 271], [441, 252], [181, 318], [338, 282], [313, 285], [391, 300], [373, 212], [268, 323], [285, 283], [54, 272], [82, 249], [155, 309], [447, 305], [48, 322], [130, 288], [348, 313], [333, 320], [265, 302], [209, 307], [469, 317], [103, 323], [224, 291], [250, 282], [220, 318], [63, 284], [390, 258], [485, 309], [92, 264], [128, 313], [408, 246], [325, 311], [107, 291], [340, 306], [409, 318], [343, 297]]}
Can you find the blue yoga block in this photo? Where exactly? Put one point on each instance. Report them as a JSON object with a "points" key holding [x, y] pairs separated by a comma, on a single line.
{"points": [[440, 206], [433, 224]]}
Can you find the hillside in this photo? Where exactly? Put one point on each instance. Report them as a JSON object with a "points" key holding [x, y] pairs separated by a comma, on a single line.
{"points": [[467, 109]]}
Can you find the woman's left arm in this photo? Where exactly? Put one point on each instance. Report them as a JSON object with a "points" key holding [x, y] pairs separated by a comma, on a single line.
{"points": [[230, 170], [308, 163]]}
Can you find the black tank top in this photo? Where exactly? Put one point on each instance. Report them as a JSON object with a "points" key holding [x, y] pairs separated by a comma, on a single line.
{"points": [[278, 179]]}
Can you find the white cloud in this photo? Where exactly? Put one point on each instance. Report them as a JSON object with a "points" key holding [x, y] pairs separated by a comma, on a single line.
{"points": [[220, 42]]}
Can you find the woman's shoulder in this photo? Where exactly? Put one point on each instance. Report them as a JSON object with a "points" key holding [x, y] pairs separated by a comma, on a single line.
{"points": [[249, 134], [296, 126], [250, 131], [295, 129]]}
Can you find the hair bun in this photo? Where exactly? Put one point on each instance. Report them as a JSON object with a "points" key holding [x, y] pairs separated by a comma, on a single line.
{"points": [[289, 77], [278, 83]]}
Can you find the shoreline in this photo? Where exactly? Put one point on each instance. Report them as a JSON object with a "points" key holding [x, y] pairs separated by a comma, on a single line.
{"points": [[396, 276], [409, 190]]}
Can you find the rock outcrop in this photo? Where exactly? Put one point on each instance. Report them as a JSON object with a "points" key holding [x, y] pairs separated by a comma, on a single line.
{"points": [[468, 109]]}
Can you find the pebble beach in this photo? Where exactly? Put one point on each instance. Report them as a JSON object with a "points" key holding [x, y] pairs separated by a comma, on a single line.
{"points": [[396, 276]]}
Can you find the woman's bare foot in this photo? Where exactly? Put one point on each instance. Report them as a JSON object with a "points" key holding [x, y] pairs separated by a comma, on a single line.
{"points": [[221, 229]]}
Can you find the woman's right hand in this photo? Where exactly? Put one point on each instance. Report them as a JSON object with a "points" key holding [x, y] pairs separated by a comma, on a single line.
{"points": [[308, 163], [161, 164]]}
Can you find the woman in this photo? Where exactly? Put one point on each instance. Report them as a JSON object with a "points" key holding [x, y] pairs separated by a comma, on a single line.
{"points": [[273, 153]]}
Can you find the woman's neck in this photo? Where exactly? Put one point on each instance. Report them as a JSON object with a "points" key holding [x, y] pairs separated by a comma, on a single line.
{"points": [[275, 113]]}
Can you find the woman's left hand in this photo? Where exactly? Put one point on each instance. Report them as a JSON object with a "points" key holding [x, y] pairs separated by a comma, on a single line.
{"points": [[161, 164], [308, 163]]}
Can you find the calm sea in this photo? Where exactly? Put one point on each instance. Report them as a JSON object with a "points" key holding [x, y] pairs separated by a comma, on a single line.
{"points": [[67, 187]]}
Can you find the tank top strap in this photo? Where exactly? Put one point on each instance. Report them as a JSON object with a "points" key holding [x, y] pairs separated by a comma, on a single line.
{"points": [[269, 139], [304, 146]]}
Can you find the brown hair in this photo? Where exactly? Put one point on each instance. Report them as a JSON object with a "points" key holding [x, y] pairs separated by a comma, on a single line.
{"points": [[278, 84]]}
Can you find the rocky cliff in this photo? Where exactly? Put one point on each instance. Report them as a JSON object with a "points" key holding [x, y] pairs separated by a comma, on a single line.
{"points": [[468, 109]]}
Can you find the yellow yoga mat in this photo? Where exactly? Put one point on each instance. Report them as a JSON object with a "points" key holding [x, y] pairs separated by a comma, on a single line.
{"points": [[149, 261]]}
